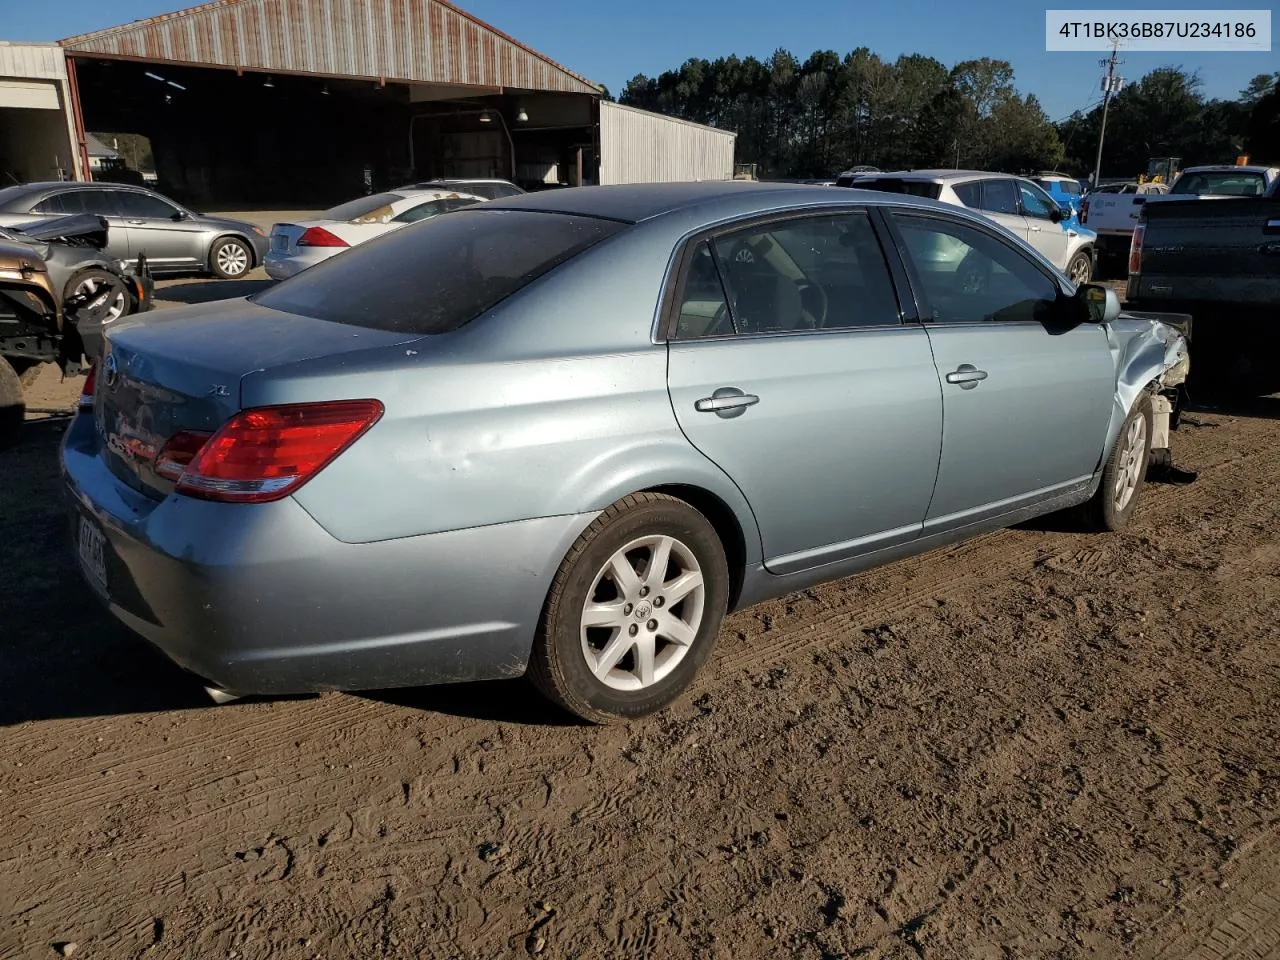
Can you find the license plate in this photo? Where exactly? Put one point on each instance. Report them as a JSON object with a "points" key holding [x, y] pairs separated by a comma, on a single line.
{"points": [[92, 546]]}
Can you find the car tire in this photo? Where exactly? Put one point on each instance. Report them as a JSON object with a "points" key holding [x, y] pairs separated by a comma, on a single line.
{"points": [[230, 258], [1080, 268], [13, 409], [120, 297], [645, 647], [1124, 473]]}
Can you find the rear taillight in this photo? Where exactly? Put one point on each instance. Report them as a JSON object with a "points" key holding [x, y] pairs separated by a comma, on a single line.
{"points": [[1084, 211], [269, 452], [86, 392], [320, 237], [1135, 249], [178, 453]]}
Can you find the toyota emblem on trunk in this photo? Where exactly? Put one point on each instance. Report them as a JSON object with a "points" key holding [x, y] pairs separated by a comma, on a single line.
{"points": [[109, 372]]}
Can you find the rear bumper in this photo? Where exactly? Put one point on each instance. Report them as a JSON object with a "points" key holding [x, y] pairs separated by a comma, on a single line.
{"points": [[282, 266], [259, 599]]}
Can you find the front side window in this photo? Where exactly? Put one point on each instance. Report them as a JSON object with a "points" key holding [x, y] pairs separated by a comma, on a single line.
{"points": [[969, 276], [435, 276], [815, 273], [1035, 202], [999, 196]]}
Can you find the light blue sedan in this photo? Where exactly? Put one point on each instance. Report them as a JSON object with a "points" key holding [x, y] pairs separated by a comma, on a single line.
{"points": [[564, 433]]}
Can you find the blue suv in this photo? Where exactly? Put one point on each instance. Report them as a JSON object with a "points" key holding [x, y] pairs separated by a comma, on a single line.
{"points": [[1065, 190]]}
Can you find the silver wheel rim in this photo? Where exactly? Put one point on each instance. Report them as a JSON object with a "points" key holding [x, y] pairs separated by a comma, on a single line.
{"points": [[1130, 471], [1080, 271], [100, 299], [232, 259], [642, 613]]}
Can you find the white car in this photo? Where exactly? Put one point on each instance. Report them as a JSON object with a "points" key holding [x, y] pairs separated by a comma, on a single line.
{"points": [[1016, 203], [296, 246]]}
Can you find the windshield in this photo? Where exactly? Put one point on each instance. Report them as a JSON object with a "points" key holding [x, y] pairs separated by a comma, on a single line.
{"points": [[437, 275], [360, 207], [1230, 183]]}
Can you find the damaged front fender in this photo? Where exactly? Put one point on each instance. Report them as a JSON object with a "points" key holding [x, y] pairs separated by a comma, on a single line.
{"points": [[1151, 357]]}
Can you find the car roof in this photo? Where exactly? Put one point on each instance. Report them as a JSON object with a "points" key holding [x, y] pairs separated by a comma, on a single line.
{"points": [[714, 199], [1229, 167], [939, 176]]}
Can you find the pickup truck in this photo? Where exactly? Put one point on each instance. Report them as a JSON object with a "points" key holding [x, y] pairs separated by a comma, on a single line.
{"points": [[1220, 263], [1112, 211]]}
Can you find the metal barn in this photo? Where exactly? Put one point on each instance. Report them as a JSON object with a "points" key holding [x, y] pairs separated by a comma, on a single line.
{"points": [[299, 103]]}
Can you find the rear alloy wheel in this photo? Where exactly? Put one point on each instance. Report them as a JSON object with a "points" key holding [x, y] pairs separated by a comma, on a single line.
{"points": [[105, 294], [230, 258], [1080, 269], [634, 610]]}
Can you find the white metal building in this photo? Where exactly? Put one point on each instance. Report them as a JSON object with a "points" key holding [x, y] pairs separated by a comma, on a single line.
{"points": [[37, 132]]}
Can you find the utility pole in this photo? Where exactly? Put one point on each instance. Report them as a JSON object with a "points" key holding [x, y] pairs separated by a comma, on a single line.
{"points": [[1110, 85]]}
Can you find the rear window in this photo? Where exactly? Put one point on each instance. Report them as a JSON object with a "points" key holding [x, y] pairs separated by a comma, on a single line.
{"points": [[1226, 183], [435, 276], [360, 207], [915, 188]]}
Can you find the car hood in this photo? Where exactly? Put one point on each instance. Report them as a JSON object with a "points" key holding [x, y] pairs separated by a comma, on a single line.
{"points": [[226, 223], [79, 229]]}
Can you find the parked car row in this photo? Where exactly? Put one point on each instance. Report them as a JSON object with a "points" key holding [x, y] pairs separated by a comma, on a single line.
{"points": [[143, 223], [564, 433], [1016, 203]]}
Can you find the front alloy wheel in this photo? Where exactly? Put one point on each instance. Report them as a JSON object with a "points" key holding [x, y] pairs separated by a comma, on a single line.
{"points": [[1080, 269], [1124, 472], [231, 258]]}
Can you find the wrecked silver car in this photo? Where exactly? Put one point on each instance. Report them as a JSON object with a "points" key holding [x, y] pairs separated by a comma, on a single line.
{"points": [[564, 433]]}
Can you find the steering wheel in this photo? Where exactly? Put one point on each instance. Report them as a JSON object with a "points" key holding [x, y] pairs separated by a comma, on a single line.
{"points": [[809, 287]]}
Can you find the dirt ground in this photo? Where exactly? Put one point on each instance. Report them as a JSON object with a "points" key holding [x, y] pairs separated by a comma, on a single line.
{"points": [[1038, 744]]}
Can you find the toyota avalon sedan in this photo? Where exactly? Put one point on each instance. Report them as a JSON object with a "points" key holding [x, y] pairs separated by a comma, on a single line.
{"points": [[564, 433]]}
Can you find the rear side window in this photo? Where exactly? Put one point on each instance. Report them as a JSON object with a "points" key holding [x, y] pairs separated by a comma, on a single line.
{"points": [[912, 188], [436, 276], [999, 196], [970, 194]]}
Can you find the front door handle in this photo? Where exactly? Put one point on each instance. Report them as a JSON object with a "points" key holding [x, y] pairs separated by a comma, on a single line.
{"points": [[1034, 228], [967, 375], [726, 402], [138, 223]]}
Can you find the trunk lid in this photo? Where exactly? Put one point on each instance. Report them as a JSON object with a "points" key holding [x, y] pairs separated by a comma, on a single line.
{"points": [[284, 237], [179, 370]]}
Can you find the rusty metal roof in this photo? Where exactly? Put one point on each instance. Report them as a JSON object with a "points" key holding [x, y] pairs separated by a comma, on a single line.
{"points": [[423, 41]]}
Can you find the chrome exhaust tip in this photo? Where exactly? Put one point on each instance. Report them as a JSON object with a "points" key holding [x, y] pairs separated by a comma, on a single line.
{"points": [[220, 696]]}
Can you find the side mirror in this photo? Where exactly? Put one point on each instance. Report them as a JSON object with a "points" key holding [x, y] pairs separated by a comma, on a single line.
{"points": [[178, 216], [1101, 302], [1056, 215]]}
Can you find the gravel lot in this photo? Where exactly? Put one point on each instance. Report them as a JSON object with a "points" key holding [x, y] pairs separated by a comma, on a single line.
{"points": [[1037, 744]]}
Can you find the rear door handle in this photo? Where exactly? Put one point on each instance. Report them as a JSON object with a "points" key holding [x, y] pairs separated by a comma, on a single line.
{"points": [[967, 376], [726, 402]]}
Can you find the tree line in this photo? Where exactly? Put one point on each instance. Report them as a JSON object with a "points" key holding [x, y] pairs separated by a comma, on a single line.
{"points": [[820, 116]]}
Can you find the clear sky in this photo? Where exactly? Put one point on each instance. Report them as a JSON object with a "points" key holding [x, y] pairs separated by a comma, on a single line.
{"points": [[611, 41]]}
